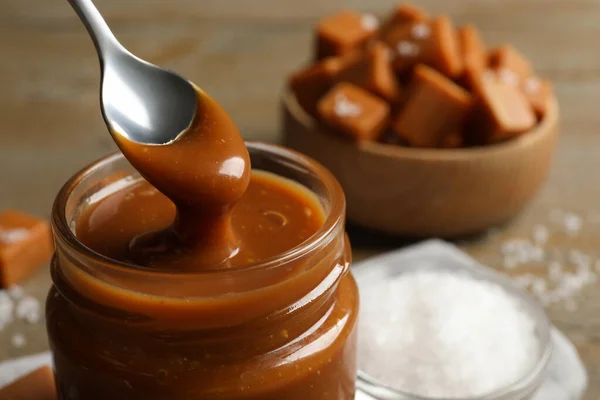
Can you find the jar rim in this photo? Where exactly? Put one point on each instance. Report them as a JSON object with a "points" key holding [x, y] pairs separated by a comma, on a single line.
{"points": [[334, 218]]}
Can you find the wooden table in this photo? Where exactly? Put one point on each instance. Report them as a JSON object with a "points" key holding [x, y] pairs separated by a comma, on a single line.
{"points": [[240, 51]]}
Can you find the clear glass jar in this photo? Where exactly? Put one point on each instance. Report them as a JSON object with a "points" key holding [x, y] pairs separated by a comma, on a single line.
{"points": [[283, 328]]}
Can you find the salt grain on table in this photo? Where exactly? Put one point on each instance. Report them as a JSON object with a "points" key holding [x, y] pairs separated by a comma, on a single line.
{"points": [[28, 309], [446, 336], [573, 223], [15, 292], [18, 340]]}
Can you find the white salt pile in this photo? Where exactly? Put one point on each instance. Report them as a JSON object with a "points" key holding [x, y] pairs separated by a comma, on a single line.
{"points": [[444, 335]]}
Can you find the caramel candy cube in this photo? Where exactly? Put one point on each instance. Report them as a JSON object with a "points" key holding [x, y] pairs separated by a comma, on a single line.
{"points": [[344, 32], [403, 14], [436, 107], [354, 112], [507, 112], [25, 246], [445, 56], [434, 43], [373, 71], [474, 54], [539, 93], [38, 385], [311, 83], [472, 48], [510, 63]]}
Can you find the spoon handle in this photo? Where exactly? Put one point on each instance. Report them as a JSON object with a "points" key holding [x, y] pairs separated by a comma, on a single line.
{"points": [[103, 38]]}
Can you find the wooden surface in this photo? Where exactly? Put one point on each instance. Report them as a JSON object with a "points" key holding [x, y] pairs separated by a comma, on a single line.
{"points": [[240, 51]]}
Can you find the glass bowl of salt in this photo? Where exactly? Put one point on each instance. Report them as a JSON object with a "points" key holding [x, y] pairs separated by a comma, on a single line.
{"points": [[436, 325]]}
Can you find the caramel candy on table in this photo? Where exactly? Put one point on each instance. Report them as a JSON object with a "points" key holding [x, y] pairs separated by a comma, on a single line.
{"points": [[38, 385], [354, 112], [506, 111], [344, 32], [373, 71], [25, 246], [436, 108], [434, 43], [513, 67], [311, 83], [539, 93]]}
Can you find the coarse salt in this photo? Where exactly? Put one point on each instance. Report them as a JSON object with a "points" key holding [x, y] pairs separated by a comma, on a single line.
{"points": [[369, 22], [344, 108], [420, 31], [521, 251], [15, 292], [572, 223], [11, 236], [532, 85], [507, 76], [28, 309], [407, 49], [18, 340], [445, 335]]}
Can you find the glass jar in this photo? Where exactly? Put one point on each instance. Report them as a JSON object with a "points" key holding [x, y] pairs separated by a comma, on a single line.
{"points": [[283, 328]]}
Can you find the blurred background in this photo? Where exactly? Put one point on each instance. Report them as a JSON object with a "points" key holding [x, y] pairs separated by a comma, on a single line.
{"points": [[241, 51]]}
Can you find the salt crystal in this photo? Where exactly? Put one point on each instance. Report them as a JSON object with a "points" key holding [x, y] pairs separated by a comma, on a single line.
{"points": [[521, 251], [15, 292], [28, 309], [11, 236], [572, 223], [507, 76], [407, 49], [420, 31], [578, 258], [540, 234], [532, 85], [343, 107], [555, 270], [369, 22], [18, 340], [453, 336], [538, 287]]}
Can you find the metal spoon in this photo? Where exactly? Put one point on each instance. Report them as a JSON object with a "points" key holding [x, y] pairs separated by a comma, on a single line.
{"points": [[143, 102]]}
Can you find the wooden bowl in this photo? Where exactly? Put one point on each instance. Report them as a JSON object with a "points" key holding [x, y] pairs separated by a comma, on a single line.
{"points": [[428, 192]]}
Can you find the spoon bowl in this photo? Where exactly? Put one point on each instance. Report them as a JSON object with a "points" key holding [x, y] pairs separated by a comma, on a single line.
{"points": [[140, 101]]}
